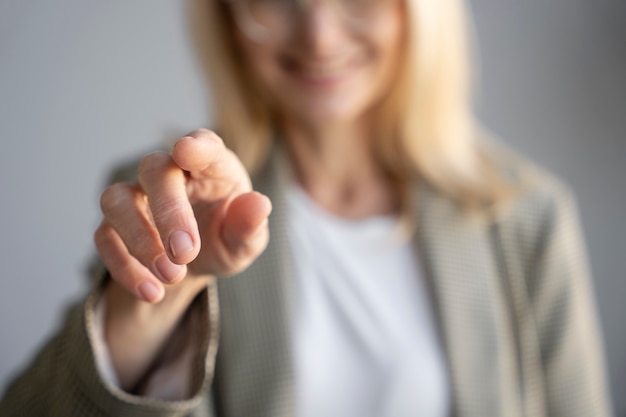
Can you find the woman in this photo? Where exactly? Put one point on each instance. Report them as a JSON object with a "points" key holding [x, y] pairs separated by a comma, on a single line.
{"points": [[413, 267]]}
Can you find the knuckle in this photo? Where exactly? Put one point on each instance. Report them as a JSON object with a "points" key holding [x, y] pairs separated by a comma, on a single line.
{"points": [[113, 259], [152, 164], [217, 139], [142, 244], [101, 236], [210, 136], [166, 210], [123, 271], [114, 196], [125, 265], [248, 251]]}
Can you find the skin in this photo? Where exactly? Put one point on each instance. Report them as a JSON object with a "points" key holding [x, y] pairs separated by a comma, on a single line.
{"points": [[193, 214], [326, 79]]}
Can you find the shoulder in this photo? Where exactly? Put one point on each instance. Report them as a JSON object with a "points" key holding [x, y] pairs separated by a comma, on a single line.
{"points": [[538, 196], [540, 223]]}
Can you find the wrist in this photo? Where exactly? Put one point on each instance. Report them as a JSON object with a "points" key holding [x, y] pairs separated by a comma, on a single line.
{"points": [[137, 331]]}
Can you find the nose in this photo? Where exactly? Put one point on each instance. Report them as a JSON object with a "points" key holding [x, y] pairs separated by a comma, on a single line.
{"points": [[320, 26]]}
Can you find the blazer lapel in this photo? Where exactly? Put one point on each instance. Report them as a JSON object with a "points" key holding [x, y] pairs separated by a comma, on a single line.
{"points": [[459, 262], [254, 366]]}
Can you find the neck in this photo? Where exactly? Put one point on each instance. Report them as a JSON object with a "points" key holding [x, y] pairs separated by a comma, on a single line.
{"points": [[336, 166]]}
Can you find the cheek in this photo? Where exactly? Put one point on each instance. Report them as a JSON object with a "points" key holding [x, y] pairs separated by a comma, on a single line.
{"points": [[390, 43]]}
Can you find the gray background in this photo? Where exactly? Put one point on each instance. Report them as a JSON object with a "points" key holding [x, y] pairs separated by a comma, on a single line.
{"points": [[85, 84]]}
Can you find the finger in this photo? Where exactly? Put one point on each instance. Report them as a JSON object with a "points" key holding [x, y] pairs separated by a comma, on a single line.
{"points": [[198, 150], [244, 228], [126, 211], [202, 153], [124, 268], [165, 186]]}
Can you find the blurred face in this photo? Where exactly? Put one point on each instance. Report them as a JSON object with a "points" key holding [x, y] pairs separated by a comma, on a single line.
{"points": [[322, 61]]}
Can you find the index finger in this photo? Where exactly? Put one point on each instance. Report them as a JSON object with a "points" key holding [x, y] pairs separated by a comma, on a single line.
{"points": [[203, 154]]}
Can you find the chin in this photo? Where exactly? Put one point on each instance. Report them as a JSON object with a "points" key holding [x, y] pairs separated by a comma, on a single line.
{"points": [[329, 110]]}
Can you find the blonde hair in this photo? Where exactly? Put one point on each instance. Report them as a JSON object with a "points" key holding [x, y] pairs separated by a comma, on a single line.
{"points": [[426, 128]]}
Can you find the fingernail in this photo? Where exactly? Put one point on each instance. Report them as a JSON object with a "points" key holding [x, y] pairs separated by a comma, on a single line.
{"points": [[180, 243], [149, 291], [167, 270]]}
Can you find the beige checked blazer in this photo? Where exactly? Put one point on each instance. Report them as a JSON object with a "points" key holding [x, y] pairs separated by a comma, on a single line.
{"points": [[512, 295]]}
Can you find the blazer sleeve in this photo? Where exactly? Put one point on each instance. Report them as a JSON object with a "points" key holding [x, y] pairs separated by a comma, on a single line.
{"points": [[63, 379], [561, 299]]}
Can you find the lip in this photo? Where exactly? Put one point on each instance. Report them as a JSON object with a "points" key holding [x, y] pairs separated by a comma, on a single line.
{"points": [[320, 74]]}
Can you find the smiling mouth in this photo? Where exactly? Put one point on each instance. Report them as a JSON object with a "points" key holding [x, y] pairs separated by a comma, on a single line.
{"points": [[322, 73]]}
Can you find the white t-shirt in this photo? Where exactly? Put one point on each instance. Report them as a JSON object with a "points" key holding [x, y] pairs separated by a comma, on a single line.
{"points": [[365, 335], [365, 339]]}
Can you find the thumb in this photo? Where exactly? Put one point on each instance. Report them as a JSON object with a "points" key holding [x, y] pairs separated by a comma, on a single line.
{"points": [[244, 228]]}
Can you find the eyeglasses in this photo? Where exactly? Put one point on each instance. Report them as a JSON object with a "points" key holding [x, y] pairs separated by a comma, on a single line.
{"points": [[267, 20]]}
